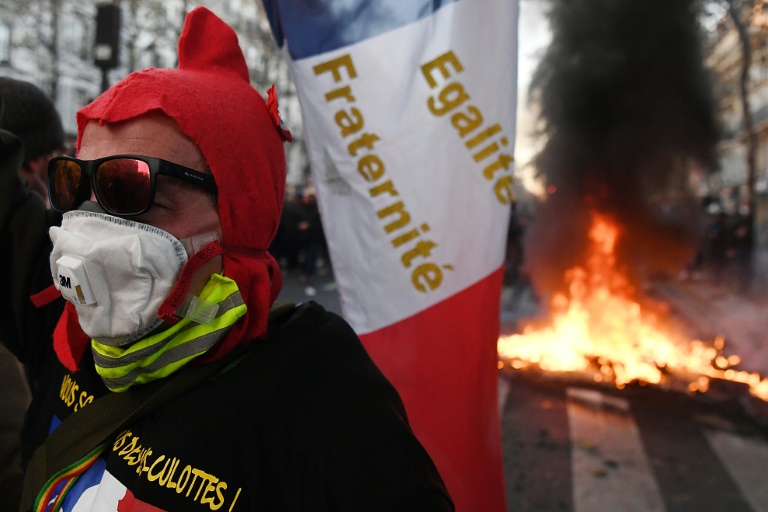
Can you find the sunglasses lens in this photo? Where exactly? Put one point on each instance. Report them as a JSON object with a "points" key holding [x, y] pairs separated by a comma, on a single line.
{"points": [[63, 184], [123, 186]]}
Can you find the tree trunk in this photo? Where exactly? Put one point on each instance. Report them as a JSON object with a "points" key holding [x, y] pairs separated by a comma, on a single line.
{"points": [[53, 49], [750, 137]]}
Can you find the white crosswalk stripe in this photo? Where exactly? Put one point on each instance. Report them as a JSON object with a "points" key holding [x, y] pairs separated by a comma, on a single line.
{"points": [[747, 461], [610, 468]]}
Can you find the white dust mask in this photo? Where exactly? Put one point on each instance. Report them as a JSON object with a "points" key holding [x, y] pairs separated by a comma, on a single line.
{"points": [[116, 272]]}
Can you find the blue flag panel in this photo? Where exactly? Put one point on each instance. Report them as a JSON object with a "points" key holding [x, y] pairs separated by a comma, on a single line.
{"points": [[318, 26]]}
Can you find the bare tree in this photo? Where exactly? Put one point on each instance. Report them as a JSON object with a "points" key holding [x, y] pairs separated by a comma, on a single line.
{"points": [[740, 12], [749, 22], [44, 16], [51, 44]]}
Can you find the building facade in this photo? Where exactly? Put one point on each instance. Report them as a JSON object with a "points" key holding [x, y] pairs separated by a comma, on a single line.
{"points": [[51, 44], [729, 187]]}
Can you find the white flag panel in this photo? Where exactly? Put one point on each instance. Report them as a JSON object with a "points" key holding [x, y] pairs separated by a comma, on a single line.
{"points": [[410, 136]]}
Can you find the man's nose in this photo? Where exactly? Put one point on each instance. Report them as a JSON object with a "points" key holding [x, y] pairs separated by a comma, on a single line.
{"points": [[91, 206]]}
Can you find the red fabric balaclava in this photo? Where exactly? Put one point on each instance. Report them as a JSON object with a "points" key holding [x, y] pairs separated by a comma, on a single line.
{"points": [[210, 97]]}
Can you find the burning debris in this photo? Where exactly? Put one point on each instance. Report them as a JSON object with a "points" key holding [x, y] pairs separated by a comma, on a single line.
{"points": [[626, 110], [598, 327]]}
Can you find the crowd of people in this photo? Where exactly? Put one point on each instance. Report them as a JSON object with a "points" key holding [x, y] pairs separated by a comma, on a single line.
{"points": [[300, 245], [725, 256]]}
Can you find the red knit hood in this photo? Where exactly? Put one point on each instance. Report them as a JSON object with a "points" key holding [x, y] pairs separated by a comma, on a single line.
{"points": [[211, 98]]}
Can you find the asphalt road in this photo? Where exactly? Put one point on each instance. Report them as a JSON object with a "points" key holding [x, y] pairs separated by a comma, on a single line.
{"points": [[571, 446], [321, 289]]}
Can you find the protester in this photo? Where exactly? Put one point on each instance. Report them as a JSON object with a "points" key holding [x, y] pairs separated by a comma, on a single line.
{"points": [[170, 382], [513, 253], [14, 399], [311, 240], [287, 244], [739, 252], [716, 243], [31, 115]]}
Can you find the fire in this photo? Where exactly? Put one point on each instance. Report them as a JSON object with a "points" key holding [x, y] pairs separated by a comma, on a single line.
{"points": [[599, 326]]}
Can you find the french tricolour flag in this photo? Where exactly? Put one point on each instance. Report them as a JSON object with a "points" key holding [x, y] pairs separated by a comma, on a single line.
{"points": [[409, 120], [98, 491]]}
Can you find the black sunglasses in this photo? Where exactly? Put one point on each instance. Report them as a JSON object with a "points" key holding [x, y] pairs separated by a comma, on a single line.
{"points": [[124, 185]]}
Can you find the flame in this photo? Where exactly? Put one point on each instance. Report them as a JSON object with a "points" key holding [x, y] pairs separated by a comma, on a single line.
{"points": [[599, 326]]}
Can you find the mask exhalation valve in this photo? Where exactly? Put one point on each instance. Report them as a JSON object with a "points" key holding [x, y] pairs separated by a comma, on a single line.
{"points": [[72, 280]]}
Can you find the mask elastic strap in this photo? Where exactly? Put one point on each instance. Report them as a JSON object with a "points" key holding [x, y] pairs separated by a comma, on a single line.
{"points": [[180, 290], [169, 309], [45, 297]]}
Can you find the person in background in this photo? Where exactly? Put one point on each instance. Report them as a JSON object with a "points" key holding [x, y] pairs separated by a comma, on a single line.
{"points": [[718, 241], [31, 116], [168, 380], [310, 240], [287, 244]]}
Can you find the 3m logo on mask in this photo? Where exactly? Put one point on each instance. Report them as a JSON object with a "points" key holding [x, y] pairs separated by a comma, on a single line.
{"points": [[73, 280]]}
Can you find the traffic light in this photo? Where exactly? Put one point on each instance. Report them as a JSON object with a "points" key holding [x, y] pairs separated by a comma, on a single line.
{"points": [[106, 49]]}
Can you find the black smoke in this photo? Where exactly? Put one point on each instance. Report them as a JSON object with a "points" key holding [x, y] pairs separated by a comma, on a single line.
{"points": [[626, 108]]}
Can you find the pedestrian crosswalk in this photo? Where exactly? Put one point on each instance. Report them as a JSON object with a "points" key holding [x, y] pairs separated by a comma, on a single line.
{"points": [[582, 448]]}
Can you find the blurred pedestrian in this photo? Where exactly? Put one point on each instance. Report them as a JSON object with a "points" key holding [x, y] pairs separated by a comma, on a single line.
{"points": [[717, 244], [740, 251], [32, 117], [288, 237], [33, 126], [513, 257], [311, 237]]}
